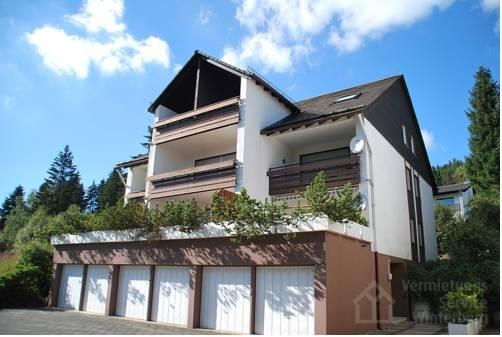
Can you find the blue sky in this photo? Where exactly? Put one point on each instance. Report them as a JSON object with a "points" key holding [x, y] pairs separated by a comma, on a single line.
{"points": [[83, 73]]}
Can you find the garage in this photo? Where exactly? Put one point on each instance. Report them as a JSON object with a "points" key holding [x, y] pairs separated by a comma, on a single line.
{"points": [[284, 301], [96, 289], [133, 291], [226, 299], [70, 286], [170, 295]]}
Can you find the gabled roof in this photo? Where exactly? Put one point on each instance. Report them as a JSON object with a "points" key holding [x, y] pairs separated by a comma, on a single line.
{"points": [[445, 189], [325, 106], [201, 56]]}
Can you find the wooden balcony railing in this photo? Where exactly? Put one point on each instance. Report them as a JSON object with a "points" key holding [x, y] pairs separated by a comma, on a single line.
{"points": [[204, 119], [291, 178], [211, 177]]}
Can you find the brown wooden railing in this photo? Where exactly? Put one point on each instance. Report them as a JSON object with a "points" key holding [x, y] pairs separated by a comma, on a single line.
{"points": [[291, 178], [204, 178], [204, 119]]}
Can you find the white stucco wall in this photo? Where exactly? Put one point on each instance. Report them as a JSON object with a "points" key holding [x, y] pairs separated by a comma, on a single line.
{"points": [[138, 178], [430, 238], [161, 112], [257, 152], [391, 219]]}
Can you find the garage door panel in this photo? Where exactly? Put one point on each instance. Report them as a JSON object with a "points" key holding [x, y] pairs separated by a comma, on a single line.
{"points": [[133, 291], [96, 289], [170, 296], [70, 286], [226, 298], [284, 300]]}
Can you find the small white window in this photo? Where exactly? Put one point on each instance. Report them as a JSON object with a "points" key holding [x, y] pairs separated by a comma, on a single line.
{"points": [[412, 144], [347, 97], [405, 140]]}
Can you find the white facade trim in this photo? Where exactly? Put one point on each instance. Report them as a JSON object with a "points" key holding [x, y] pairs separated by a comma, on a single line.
{"points": [[210, 230]]}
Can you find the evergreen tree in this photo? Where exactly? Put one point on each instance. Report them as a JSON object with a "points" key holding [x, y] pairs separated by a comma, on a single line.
{"points": [[148, 138], [482, 165], [452, 172], [63, 187], [92, 198], [17, 219], [9, 204], [111, 191]]}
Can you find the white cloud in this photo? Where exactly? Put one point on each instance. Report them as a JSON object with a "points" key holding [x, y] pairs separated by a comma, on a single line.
{"points": [[7, 101], [428, 138], [280, 32], [490, 5], [205, 15], [100, 15], [114, 51]]}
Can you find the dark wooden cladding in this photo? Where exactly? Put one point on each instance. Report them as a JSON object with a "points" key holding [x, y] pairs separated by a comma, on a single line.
{"points": [[204, 119], [291, 178], [210, 177]]}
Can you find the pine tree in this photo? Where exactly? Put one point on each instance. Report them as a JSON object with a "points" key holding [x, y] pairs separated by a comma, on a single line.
{"points": [[9, 204], [148, 138], [63, 187], [92, 198], [111, 191], [482, 165], [452, 172]]}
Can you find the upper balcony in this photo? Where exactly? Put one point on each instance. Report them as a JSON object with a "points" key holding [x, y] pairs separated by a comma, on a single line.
{"points": [[195, 166], [207, 118], [306, 152]]}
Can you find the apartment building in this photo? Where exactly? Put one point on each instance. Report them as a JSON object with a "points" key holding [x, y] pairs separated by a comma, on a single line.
{"points": [[455, 197], [220, 128]]}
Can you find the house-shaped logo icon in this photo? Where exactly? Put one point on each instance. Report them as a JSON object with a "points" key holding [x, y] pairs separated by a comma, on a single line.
{"points": [[372, 295]]}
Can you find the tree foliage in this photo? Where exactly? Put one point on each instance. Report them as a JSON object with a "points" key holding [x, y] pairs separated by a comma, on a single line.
{"points": [[16, 220], [343, 206], [110, 191], [483, 164], [92, 198], [63, 187], [452, 172], [9, 204]]}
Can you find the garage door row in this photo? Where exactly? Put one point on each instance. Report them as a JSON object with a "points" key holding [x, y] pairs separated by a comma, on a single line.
{"points": [[284, 296]]}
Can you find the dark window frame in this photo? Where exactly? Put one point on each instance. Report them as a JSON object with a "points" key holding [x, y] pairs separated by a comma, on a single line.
{"points": [[325, 151], [213, 157]]}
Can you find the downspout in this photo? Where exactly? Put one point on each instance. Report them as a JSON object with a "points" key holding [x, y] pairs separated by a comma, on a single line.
{"points": [[372, 216]]}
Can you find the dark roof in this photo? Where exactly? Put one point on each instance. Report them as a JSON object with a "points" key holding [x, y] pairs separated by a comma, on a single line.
{"points": [[324, 106], [199, 55], [453, 188], [135, 161]]}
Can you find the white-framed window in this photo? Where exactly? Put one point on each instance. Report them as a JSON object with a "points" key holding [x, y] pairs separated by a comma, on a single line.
{"points": [[412, 144], [405, 139]]}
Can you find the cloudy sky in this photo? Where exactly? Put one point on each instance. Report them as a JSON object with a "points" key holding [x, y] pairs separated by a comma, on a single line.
{"points": [[83, 73]]}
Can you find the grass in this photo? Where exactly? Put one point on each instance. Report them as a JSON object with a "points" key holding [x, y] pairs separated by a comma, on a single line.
{"points": [[8, 261]]}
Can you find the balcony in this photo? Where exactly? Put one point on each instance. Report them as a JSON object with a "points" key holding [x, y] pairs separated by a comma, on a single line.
{"points": [[199, 179], [207, 118], [291, 178]]}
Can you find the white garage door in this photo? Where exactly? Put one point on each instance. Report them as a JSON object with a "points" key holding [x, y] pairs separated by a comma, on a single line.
{"points": [[96, 289], [226, 299], [170, 295], [70, 286], [284, 301], [133, 291]]}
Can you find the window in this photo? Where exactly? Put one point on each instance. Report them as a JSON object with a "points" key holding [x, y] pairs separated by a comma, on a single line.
{"points": [[330, 154], [447, 201], [405, 140], [408, 179], [412, 230], [215, 159], [412, 144], [417, 187], [347, 97]]}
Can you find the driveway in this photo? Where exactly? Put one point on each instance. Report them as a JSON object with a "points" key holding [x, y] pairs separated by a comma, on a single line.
{"points": [[43, 321]]}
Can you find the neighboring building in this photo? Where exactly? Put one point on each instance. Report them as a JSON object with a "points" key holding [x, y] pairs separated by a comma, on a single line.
{"points": [[217, 127], [455, 197]]}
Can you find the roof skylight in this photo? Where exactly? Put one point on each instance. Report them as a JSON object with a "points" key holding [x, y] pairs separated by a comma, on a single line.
{"points": [[347, 97]]}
